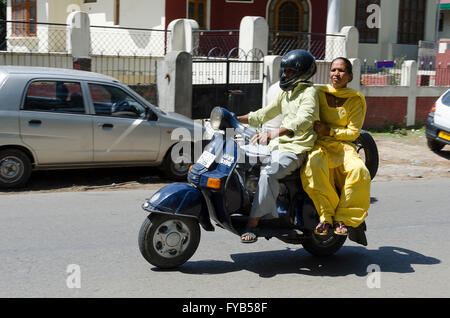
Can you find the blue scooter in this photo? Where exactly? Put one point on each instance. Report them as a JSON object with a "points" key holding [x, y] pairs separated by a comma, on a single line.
{"points": [[219, 190]]}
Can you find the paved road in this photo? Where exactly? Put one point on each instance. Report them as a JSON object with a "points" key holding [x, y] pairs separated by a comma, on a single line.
{"points": [[42, 234]]}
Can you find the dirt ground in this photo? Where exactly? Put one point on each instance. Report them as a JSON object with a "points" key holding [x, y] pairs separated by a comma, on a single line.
{"points": [[401, 158]]}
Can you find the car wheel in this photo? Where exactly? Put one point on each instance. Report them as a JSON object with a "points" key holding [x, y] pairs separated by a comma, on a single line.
{"points": [[15, 168], [176, 163], [435, 145]]}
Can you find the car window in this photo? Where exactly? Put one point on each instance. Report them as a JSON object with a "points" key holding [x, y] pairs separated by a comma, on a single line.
{"points": [[113, 101], [446, 99], [54, 96], [2, 78]]}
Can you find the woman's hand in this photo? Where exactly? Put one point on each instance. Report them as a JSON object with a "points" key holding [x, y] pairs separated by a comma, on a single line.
{"points": [[321, 129]]}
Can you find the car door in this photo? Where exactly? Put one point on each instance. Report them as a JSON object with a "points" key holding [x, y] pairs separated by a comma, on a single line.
{"points": [[54, 122], [442, 113], [124, 129]]}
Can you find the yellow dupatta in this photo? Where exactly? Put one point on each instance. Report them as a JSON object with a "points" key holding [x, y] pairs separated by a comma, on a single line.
{"points": [[345, 121]]}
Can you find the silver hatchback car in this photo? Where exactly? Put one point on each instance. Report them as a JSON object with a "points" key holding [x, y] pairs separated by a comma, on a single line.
{"points": [[56, 118]]}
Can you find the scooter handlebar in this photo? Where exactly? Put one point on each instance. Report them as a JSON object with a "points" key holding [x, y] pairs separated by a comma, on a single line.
{"points": [[237, 125]]}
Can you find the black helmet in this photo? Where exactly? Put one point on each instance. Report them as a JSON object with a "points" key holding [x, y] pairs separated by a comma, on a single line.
{"points": [[304, 65]]}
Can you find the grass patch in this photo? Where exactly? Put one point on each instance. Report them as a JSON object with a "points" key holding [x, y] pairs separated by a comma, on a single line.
{"points": [[413, 131]]}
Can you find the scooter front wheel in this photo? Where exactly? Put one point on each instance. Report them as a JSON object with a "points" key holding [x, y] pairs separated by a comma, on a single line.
{"points": [[168, 241]]}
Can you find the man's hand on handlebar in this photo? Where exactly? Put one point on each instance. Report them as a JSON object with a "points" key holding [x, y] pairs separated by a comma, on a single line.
{"points": [[261, 138], [243, 119]]}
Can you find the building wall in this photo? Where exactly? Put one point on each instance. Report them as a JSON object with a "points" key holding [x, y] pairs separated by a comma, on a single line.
{"points": [[445, 33], [387, 47], [146, 14], [227, 16]]}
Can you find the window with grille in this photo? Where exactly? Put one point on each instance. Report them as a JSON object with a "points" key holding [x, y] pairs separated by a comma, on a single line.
{"points": [[288, 14], [411, 21], [25, 12], [366, 34], [197, 12]]}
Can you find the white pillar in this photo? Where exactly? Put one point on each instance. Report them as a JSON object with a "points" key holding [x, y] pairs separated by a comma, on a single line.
{"points": [[254, 35], [79, 35], [351, 42], [183, 35], [271, 74], [174, 81], [356, 67], [271, 87], [409, 78], [333, 13]]}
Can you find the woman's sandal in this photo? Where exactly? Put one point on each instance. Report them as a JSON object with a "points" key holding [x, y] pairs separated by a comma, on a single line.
{"points": [[251, 233], [340, 229], [322, 228]]}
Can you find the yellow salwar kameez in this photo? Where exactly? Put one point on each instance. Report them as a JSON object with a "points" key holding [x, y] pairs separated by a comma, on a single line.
{"points": [[334, 176]]}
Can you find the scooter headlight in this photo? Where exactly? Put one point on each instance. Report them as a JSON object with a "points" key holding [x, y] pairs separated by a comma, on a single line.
{"points": [[216, 118]]}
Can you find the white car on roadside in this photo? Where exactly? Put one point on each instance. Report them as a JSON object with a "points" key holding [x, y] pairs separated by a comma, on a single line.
{"points": [[438, 123], [58, 119]]}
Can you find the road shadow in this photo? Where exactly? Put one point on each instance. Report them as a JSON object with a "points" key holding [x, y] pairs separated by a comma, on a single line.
{"points": [[91, 178], [351, 260]]}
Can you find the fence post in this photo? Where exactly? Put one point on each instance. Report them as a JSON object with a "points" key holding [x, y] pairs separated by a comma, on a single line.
{"points": [[79, 40], [254, 34], [356, 67], [271, 75], [409, 78], [174, 82], [351, 45], [183, 37]]}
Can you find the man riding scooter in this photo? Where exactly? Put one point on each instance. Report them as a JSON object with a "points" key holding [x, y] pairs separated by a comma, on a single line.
{"points": [[299, 107]]}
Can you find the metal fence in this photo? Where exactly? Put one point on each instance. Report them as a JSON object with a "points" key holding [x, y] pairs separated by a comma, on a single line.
{"points": [[234, 66], [127, 54], [389, 73], [322, 46], [234, 81], [34, 44], [217, 43], [381, 73], [220, 42], [128, 41]]}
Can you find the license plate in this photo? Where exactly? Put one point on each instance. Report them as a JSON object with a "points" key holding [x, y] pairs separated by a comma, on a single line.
{"points": [[444, 135], [206, 159]]}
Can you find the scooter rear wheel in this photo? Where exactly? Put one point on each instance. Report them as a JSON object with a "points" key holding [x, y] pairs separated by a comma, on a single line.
{"points": [[168, 241], [324, 245]]}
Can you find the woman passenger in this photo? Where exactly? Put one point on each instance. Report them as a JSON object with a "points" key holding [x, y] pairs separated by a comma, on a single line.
{"points": [[334, 176]]}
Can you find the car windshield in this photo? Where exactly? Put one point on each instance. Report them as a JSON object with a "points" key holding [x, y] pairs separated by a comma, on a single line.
{"points": [[446, 99]]}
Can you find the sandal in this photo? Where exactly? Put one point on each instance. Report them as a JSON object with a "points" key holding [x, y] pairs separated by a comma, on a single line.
{"points": [[340, 229], [322, 228], [251, 233]]}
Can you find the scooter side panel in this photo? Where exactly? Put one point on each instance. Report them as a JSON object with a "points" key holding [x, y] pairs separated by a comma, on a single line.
{"points": [[180, 199]]}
